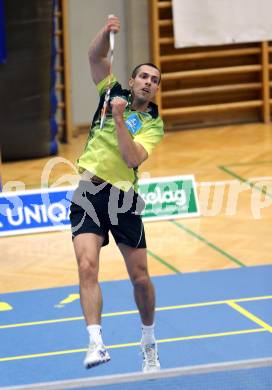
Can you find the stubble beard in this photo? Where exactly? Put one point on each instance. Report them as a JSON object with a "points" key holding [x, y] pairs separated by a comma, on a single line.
{"points": [[140, 100]]}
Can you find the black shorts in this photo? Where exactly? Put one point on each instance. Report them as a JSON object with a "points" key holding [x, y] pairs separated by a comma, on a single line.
{"points": [[100, 208]]}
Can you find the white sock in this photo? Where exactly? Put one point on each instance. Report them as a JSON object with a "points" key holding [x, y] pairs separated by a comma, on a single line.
{"points": [[148, 336], [95, 334]]}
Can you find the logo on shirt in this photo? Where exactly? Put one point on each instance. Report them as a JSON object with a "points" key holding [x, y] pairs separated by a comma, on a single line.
{"points": [[133, 123]]}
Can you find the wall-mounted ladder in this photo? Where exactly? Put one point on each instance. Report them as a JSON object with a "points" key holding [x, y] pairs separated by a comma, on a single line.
{"points": [[63, 74], [205, 86]]}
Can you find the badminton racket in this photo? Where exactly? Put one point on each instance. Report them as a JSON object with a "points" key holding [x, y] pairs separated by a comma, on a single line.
{"points": [[107, 94]]}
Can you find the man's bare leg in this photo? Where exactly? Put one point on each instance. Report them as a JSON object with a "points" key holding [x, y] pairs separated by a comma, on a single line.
{"points": [[87, 249]]}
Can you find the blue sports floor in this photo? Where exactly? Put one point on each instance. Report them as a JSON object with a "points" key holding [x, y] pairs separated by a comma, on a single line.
{"points": [[201, 318]]}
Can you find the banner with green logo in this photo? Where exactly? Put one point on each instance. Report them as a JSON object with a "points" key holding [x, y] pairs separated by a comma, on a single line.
{"points": [[43, 210], [169, 197]]}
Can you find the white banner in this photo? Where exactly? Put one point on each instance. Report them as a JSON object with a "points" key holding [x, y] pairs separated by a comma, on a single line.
{"points": [[218, 22]]}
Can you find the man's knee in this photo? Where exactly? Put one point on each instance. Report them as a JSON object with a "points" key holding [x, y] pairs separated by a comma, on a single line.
{"points": [[141, 281], [88, 265]]}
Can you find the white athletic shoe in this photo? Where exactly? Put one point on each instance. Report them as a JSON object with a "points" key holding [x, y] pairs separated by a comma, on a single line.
{"points": [[151, 362], [96, 354]]}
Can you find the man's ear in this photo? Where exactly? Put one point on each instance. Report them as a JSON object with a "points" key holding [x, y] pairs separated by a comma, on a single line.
{"points": [[131, 82]]}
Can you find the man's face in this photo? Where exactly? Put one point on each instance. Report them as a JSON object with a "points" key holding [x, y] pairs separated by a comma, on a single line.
{"points": [[145, 84]]}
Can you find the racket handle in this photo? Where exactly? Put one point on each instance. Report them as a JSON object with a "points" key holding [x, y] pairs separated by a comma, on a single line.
{"points": [[111, 36], [111, 40]]}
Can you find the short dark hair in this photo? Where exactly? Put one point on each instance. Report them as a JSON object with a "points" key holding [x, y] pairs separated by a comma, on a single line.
{"points": [[136, 69]]}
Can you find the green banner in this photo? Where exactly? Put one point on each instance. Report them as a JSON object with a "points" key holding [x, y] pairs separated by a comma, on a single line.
{"points": [[169, 197]]}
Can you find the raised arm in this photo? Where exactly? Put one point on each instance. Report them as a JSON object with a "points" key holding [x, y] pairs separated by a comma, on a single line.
{"points": [[99, 63]]}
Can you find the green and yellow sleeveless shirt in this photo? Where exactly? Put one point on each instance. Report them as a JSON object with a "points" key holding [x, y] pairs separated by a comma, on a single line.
{"points": [[101, 155]]}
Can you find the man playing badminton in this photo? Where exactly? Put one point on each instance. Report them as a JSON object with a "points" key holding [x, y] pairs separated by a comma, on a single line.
{"points": [[125, 129]]}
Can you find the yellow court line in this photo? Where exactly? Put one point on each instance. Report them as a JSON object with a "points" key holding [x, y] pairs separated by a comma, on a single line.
{"points": [[251, 316], [128, 312], [212, 303], [212, 335], [44, 322], [115, 346]]}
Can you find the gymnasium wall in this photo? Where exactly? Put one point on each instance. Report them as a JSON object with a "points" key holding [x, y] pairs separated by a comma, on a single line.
{"points": [[131, 46], [27, 134]]}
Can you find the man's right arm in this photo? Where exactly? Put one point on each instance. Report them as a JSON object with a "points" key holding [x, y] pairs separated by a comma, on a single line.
{"points": [[98, 52]]}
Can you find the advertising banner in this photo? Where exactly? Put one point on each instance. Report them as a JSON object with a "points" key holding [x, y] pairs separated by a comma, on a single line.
{"points": [[45, 210]]}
